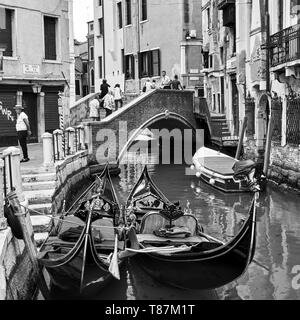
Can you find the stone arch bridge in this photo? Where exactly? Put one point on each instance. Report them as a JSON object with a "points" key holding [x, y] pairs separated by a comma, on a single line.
{"points": [[110, 137]]}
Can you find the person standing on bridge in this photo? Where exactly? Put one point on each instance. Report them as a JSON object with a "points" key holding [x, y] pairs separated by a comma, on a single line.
{"points": [[118, 96], [104, 88], [165, 81], [23, 130], [109, 103], [94, 106], [176, 84]]}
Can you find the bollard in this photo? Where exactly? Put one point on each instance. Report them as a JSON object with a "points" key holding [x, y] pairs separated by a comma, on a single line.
{"points": [[70, 140], [58, 145], [47, 149], [81, 137], [3, 222], [13, 173]]}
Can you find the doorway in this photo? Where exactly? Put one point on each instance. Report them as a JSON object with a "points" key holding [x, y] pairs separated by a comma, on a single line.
{"points": [[30, 105], [235, 107]]}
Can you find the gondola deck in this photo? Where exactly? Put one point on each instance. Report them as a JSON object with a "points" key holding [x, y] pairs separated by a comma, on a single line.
{"points": [[196, 261]]}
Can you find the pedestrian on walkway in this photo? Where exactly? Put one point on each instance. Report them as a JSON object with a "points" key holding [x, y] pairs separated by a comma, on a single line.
{"points": [[108, 103], [94, 107], [165, 81], [176, 84], [23, 130], [118, 95]]}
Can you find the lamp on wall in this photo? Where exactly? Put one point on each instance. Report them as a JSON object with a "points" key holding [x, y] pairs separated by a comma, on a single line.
{"points": [[36, 88]]}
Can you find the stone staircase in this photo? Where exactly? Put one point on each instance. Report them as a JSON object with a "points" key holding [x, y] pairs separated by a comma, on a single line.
{"points": [[38, 189], [219, 126]]}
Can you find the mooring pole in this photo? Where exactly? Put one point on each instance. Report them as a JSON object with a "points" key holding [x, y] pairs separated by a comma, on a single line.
{"points": [[268, 146], [29, 242], [241, 139]]}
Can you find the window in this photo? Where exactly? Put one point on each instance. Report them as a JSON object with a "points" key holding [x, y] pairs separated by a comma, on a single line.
{"points": [[186, 11], [50, 37], [91, 27], [123, 60], [100, 68], [149, 63], [6, 31], [129, 67], [208, 18], [101, 27], [144, 10], [120, 16], [77, 87], [92, 78], [100, 2], [92, 53], [128, 11]]}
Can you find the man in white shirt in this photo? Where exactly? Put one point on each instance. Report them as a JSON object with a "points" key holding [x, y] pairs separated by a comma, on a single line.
{"points": [[118, 96], [94, 106], [23, 130], [165, 82]]}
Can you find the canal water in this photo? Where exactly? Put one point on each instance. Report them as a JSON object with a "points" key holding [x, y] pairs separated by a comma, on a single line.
{"points": [[278, 237]]}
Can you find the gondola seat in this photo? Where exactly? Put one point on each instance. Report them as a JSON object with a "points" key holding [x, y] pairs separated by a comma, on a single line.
{"points": [[154, 221]]}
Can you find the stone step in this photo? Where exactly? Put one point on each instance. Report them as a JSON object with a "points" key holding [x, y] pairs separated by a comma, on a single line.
{"points": [[42, 185], [40, 238], [37, 171], [51, 176], [40, 208], [40, 223], [39, 196]]}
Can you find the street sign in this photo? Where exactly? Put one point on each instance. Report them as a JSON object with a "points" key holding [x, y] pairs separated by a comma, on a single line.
{"points": [[31, 69]]}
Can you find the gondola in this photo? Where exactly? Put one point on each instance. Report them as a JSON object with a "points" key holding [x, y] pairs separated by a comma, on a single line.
{"points": [[226, 173], [80, 253], [171, 247], [145, 197]]}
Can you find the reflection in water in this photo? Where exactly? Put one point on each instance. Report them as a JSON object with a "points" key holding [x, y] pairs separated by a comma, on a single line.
{"points": [[278, 230]]}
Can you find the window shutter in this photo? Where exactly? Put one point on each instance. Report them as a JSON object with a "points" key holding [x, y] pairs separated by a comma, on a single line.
{"points": [[133, 66], [50, 38], [140, 58], [6, 34], [155, 62]]}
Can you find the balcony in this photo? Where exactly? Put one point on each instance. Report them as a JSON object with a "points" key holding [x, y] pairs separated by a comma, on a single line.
{"points": [[223, 4], [285, 46], [228, 8]]}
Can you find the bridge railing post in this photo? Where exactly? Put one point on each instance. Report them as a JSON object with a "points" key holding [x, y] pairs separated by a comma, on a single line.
{"points": [[3, 221], [88, 137], [47, 149], [58, 148], [70, 132], [80, 137]]}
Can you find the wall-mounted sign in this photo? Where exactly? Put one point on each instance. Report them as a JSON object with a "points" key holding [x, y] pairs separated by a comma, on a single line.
{"points": [[31, 69]]}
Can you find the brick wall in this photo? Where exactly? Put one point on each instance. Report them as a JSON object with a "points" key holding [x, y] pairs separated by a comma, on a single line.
{"points": [[284, 166]]}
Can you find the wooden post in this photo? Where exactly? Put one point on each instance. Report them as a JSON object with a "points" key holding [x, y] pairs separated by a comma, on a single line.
{"points": [[13, 164], [242, 134], [29, 243], [3, 222], [268, 146]]}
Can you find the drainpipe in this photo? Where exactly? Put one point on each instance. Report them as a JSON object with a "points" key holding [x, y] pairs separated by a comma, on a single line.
{"points": [[139, 42], [104, 60]]}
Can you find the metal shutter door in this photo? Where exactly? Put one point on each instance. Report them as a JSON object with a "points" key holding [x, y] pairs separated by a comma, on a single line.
{"points": [[8, 135], [51, 112]]}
